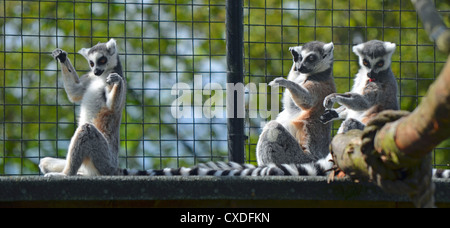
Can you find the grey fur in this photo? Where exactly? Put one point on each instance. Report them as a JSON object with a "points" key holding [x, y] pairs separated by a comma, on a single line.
{"points": [[297, 136], [375, 87], [276, 145], [373, 49], [94, 148]]}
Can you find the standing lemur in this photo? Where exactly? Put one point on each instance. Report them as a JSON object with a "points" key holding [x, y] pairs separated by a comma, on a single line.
{"points": [[94, 148], [374, 90]]}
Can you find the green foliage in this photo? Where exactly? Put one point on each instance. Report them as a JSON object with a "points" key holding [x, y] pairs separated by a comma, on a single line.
{"points": [[165, 42]]}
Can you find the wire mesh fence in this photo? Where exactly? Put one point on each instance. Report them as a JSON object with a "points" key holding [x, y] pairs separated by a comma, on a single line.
{"points": [[271, 27], [164, 43], [160, 43]]}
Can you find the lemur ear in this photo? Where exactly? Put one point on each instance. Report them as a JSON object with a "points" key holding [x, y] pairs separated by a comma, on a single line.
{"points": [[358, 49], [328, 49], [84, 52], [295, 51], [390, 47], [111, 46]]}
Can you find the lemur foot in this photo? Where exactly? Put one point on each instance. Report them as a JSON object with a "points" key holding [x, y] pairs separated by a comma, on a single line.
{"points": [[55, 175], [60, 55]]}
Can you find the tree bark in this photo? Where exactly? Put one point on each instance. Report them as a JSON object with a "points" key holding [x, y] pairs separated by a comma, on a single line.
{"points": [[429, 124]]}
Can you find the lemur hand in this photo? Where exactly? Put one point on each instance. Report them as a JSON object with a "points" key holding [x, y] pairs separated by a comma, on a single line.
{"points": [[280, 81], [60, 55], [114, 79], [328, 116], [329, 101]]}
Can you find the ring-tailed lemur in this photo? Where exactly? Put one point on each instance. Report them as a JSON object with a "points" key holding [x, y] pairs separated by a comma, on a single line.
{"points": [[297, 136], [374, 90], [94, 148]]}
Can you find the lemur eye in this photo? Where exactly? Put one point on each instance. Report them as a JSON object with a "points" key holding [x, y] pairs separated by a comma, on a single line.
{"points": [[103, 60], [312, 58], [91, 63], [380, 64], [366, 63]]}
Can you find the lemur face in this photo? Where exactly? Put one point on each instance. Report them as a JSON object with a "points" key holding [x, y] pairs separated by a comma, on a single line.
{"points": [[313, 57], [375, 56], [102, 57]]}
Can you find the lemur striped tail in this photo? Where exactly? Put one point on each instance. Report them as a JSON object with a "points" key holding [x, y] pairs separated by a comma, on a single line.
{"points": [[441, 173], [319, 168]]}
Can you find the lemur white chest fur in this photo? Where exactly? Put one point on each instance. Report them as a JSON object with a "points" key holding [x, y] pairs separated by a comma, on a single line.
{"points": [[360, 83], [291, 111], [93, 100]]}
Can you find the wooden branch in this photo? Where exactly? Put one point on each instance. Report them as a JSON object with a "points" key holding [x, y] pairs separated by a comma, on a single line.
{"points": [[347, 154], [428, 125]]}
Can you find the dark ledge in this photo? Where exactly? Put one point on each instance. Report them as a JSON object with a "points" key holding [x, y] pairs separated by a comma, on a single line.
{"points": [[295, 189]]}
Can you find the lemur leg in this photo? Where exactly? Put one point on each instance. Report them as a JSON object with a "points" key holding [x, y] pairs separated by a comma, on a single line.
{"points": [[52, 165], [90, 148], [74, 87], [351, 124], [56, 166], [277, 145]]}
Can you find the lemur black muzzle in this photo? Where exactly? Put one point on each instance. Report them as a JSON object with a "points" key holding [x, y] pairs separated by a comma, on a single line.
{"points": [[372, 76], [98, 72]]}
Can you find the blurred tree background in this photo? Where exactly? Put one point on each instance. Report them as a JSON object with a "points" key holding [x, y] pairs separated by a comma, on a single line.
{"points": [[165, 42]]}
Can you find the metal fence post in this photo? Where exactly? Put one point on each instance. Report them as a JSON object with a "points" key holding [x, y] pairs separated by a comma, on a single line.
{"points": [[235, 75]]}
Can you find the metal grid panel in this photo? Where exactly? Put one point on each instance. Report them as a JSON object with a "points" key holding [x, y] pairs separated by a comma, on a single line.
{"points": [[272, 26], [165, 42], [161, 43]]}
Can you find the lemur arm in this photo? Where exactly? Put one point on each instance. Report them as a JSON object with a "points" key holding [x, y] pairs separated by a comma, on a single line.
{"points": [[115, 92], [352, 101], [74, 88], [301, 97], [342, 111]]}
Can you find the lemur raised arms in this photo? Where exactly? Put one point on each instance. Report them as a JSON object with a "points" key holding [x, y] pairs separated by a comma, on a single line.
{"points": [[101, 93]]}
